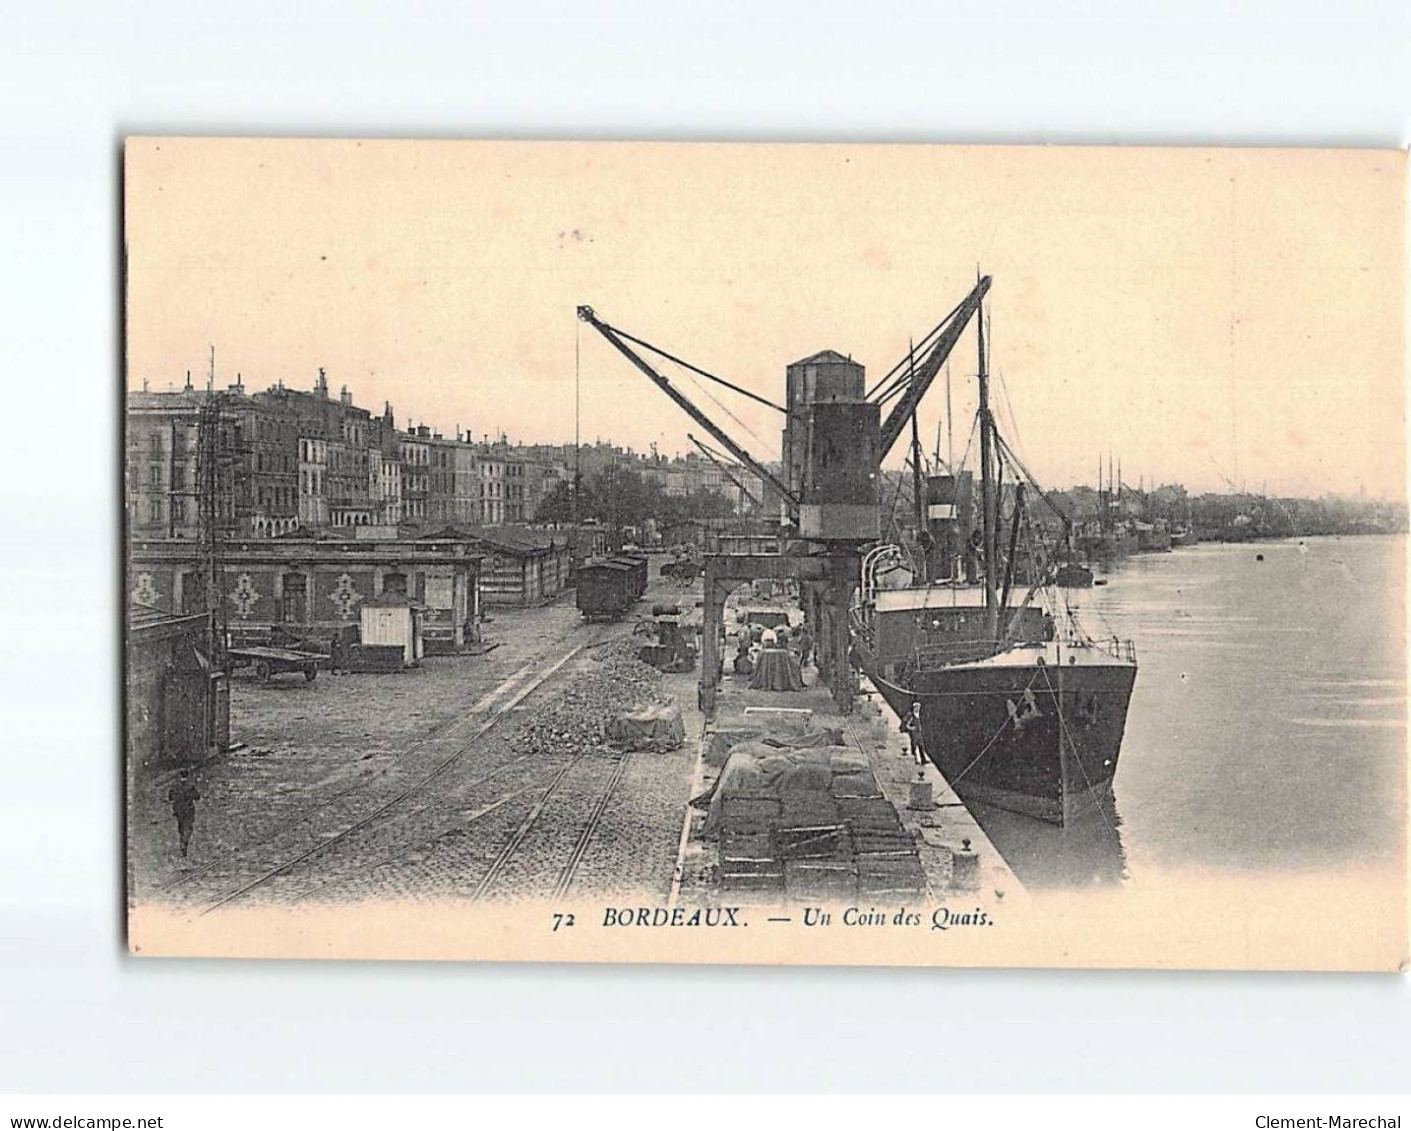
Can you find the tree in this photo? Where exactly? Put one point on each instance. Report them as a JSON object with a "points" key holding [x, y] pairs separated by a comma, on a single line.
{"points": [[619, 497], [557, 505]]}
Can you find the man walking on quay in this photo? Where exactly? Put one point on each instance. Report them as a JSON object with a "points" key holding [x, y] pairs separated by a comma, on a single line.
{"points": [[912, 725], [183, 796]]}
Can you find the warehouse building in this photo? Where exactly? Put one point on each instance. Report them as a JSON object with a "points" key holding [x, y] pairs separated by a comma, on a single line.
{"points": [[313, 588], [178, 707], [519, 567]]}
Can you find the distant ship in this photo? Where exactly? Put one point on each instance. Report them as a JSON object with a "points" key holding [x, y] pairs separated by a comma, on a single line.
{"points": [[1118, 542], [1071, 575], [1153, 537], [1020, 709]]}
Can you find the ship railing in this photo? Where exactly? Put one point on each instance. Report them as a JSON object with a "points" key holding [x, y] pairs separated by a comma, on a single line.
{"points": [[939, 655], [1120, 649]]}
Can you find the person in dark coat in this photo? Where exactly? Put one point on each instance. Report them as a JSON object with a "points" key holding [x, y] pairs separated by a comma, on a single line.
{"points": [[912, 725], [337, 654], [183, 796], [803, 640], [743, 665]]}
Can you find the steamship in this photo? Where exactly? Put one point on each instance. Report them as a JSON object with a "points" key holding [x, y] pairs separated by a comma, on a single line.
{"points": [[1020, 708]]}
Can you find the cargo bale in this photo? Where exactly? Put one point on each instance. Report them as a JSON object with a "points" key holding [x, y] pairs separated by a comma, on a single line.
{"points": [[890, 866], [760, 808], [820, 879], [885, 844], [809, 807], [749, 853], [658, 728], [909, 878], [890, 894], [752, 881], [844, 759], [869, 815], [746, 844], [855, 785], [819, 843], [723, 741]]}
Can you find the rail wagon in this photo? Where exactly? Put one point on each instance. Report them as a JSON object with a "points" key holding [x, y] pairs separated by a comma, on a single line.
{"points": [[638, 566], [607, 588]]}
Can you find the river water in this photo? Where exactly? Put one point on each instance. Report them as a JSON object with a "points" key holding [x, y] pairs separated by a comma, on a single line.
{"points": [[1267, 730]]}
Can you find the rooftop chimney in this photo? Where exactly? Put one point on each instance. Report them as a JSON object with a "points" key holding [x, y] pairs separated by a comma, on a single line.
{"points": [[345, 397], [321, 385]]}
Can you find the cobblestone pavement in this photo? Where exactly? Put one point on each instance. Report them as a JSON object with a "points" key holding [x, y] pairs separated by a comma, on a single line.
{"points": [[466, 777]]}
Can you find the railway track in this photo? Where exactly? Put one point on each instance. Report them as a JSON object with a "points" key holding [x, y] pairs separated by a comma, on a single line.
{"points": [[541, 856], [484, 702], [328, 825], [521, 833], [585, 838], [526, 834]]}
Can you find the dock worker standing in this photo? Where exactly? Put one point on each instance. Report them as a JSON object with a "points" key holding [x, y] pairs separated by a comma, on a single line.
{"points": [[804, 639], [183, 796], [912, 725]]}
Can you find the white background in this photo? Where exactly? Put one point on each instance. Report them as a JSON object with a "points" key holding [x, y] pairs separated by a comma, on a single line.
{"points": [[75, 1014]]}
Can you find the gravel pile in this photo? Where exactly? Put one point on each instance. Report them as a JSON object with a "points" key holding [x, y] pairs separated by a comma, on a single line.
{"points": [[574, 721]]}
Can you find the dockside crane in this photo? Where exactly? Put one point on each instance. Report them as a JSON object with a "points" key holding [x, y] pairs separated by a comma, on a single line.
{"points": [[834, 445], [911, 379], [619, 340]]}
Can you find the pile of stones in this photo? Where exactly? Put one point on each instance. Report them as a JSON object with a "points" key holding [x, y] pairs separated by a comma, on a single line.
{"points": [[574, 720]]}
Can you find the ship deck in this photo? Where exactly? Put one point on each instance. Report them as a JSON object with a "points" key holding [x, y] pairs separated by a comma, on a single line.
{"points": [[931, 597], [1055, 653]]}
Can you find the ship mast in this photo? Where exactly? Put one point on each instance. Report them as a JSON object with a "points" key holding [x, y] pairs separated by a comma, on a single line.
{"points": [[987, 487], [916, 490]]}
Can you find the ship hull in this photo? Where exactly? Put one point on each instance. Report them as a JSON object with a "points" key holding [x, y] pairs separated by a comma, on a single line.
{"points": [[1024, 737], [1108, 547], [1073, 576]]}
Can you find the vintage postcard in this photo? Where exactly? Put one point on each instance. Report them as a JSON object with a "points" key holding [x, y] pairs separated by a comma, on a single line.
{"points": [[715, 553]]}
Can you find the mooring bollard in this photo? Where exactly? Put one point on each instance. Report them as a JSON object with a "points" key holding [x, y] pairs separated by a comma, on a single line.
{"points": [[965, 867], [921, 797]]}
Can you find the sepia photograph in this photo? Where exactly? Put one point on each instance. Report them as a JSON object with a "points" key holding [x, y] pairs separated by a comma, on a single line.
{"points": [[822, 554], [678, 565]]}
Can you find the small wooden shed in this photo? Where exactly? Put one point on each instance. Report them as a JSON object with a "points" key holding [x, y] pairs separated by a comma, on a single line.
{"points": [[392, 619]]}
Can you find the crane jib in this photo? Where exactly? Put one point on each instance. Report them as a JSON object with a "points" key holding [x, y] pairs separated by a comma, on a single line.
{"points": [[925, 373], [587, 314]]}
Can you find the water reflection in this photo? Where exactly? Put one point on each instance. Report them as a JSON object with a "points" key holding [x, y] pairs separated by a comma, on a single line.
{"points": [[1267, 730], [1085, 854]]}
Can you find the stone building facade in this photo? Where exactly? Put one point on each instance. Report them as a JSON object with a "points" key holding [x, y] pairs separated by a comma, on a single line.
{"points": [[314, 587], [290, 462]]}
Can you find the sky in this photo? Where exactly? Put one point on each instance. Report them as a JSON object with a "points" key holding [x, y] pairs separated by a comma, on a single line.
{"points": [[1209, 317]]}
